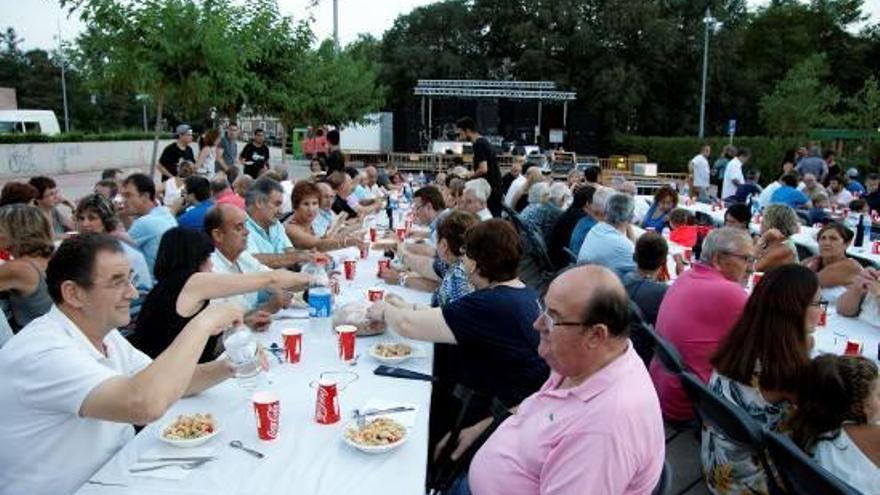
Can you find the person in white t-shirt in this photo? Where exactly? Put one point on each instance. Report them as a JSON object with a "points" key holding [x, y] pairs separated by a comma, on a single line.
{"points": [[733, 173], [838, 418], [837, 194], [73, 385], [700, 172]]}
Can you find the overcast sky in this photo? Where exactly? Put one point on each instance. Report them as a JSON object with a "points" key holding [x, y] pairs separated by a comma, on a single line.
{"points": [[39, 22]]}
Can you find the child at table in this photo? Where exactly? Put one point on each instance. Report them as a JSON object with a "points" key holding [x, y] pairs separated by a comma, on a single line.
{"points": [[838, 418], [683, 230]]}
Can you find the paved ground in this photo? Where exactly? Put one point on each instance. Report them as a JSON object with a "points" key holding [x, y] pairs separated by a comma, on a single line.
{"points": [[75, 186]]}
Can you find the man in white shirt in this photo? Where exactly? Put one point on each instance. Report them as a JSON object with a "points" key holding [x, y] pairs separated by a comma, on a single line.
{"points": [[73, 385], [699, 170], [475, 197], [225, 225], [733, 174], [369, 191], [513, 192], [767, 194], [837, 194]]}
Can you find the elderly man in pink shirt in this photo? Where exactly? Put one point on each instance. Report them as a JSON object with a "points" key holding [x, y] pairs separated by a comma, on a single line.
{"points": [[698, 311], [595, 426]]}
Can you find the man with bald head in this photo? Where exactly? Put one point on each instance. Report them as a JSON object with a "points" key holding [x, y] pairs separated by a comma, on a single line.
{"points": [[225, 225], [595, 425]]}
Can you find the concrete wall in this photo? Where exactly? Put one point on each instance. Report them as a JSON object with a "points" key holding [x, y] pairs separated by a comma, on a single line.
{"points": [[27, 160]]}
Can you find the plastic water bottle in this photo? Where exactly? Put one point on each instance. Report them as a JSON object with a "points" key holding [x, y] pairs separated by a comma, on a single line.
{"points": [[866, 229], [755, 205], [421, 181], [320, 295], [241, 350]]}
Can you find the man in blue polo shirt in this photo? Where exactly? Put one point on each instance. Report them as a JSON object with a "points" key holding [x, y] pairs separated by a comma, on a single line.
{"points": [[788, 193], [198, 194], [267, 240], [139, 194]]}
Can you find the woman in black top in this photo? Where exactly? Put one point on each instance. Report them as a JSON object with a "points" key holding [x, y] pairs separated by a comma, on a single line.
{"points": [[185, 285]]}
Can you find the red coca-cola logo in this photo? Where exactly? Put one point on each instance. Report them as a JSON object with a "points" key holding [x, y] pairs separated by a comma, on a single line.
{"points": [[326, 407]]}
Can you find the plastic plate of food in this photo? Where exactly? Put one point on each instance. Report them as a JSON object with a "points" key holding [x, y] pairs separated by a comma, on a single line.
{"points": [[189, 430], [377, 436], [391, 352]]}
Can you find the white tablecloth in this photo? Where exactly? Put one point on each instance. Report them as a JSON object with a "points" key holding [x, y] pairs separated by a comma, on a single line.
{"points": [[307, 458]]}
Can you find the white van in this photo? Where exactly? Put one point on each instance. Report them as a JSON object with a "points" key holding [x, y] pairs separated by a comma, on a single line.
{"points": [[29, 122]]}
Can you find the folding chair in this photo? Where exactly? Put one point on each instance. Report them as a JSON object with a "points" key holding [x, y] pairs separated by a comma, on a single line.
{"points": [[665, 352], [665, 479], [640, 334], [447, 469], [732, 421], [799, 473]]}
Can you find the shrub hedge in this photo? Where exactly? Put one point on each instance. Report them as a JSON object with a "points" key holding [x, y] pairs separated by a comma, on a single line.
{"points": [[78, 137], [672, 154]]}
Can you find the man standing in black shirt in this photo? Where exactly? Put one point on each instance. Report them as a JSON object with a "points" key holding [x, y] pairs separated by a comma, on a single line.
{"points": [[177, 152], [255, 155], [335, 158], [485, 162]]}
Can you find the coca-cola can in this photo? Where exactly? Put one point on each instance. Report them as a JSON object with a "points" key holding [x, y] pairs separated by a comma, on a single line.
{"points": [[756, 277], [327, 403], [375, 294], [267, 408], [350, 268], [384, 264], [401, 234], [853, 348], [365, 250], [292, 344], [347, 335], [372, 234]]}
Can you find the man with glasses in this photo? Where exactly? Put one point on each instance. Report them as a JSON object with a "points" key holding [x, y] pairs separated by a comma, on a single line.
{"points": [[699, 309], [73, 385], [595, 425]]}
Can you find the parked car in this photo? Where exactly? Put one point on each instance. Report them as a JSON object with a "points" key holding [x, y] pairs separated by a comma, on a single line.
{"points": [[29, 122]]}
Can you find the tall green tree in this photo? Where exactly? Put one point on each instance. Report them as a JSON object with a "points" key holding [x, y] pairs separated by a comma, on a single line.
{"points": [[801, 101], [180, 51]]}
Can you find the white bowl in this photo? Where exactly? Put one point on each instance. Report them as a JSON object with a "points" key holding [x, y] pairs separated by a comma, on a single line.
{"points": [[390, 360], [187, 443], [371, 449]]}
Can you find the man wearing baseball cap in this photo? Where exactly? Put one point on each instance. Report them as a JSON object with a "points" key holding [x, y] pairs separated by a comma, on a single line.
{"points": [[177, 152]]}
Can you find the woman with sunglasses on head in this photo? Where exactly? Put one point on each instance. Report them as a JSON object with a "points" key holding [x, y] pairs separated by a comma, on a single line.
{"points": [[835, 270], [759, 367]]}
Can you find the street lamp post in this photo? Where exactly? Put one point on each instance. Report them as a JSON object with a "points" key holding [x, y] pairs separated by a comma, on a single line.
{"points": [[710, 24]]}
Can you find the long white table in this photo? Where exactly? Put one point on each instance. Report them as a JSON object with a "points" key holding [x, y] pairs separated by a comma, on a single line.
{"points": [[307, 458]]}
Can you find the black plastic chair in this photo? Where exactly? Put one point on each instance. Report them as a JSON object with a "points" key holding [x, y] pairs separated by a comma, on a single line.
{"points": [[572, 257], [665, 352], [799, 473], [447, 469], [665, 480], [639, 334], [729, 420]]}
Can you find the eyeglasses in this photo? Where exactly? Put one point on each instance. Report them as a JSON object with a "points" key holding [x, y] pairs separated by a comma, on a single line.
{"points": [[121, 284], [551, 322], [821, 303], [750, 260]]}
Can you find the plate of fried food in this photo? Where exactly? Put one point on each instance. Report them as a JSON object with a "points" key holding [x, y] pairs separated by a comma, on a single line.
{"points": [[376, 436], [391, 352], [189, 430]]}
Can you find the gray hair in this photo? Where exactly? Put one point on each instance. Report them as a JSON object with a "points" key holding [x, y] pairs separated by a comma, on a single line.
{"points": [[781, 217], [539, 193], [282, 171], [261, 190], [560, 193], [619, 209], [723, 240], [600, 199], [480, 188]]}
